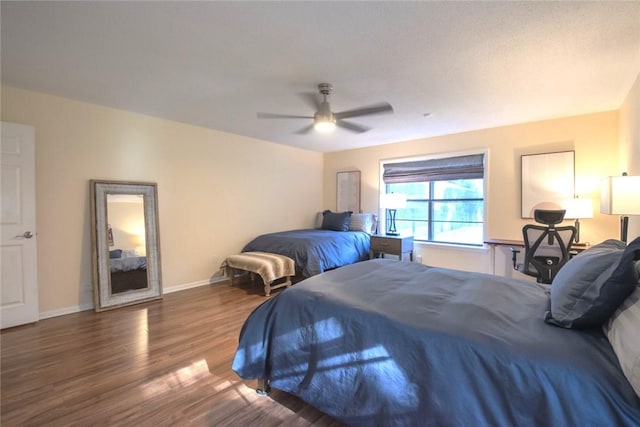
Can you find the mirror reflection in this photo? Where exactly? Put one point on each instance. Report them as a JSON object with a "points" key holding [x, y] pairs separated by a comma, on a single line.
{"points": [[127, 244]]}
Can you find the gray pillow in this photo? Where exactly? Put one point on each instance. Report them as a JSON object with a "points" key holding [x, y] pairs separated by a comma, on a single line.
{"points": [[336, 221], [319, 218], [624, 336], [590, 287], [363, 222]]}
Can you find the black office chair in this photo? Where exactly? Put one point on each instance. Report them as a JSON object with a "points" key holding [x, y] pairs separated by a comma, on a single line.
{"points": [[546, 248]]}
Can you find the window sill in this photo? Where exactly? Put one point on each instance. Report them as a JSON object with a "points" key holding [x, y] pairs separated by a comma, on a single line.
{"points": [[452, 247]]}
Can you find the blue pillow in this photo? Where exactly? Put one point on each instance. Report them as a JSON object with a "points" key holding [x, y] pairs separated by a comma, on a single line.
{"points": [[336, 221], [115, 253], [590, 287]]}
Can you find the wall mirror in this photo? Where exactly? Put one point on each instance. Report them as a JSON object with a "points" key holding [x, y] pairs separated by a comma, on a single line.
{"points": [[548, 180], [348, 191], [126, 245]]}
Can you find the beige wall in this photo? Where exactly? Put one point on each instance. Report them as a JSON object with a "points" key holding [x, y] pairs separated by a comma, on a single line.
{"points": [[215, 190], [218, 190], [630, 144], [594, 138]]}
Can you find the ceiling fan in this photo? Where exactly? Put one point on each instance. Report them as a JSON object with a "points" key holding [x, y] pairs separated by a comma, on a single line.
{"points": [[324, 120]]}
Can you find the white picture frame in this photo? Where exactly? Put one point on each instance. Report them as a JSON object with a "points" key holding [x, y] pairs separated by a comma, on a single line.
{"points": [[548, 180]]}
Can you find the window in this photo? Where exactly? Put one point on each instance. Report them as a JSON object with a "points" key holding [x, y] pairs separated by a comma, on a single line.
{"points": [[445, 198]]}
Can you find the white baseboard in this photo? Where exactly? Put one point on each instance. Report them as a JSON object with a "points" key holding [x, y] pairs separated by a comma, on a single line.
{"points": [[186, 286], [66, 310], [82, 307]]}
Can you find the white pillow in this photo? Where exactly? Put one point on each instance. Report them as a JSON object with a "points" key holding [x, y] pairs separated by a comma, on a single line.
{"points": [[623, 331], [366, 222]]}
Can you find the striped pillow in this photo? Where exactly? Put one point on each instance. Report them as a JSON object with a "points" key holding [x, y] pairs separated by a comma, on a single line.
{"points": [[624, 335]]}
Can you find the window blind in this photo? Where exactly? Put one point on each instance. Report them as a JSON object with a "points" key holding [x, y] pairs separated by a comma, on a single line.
{"points": [[443, 169]]}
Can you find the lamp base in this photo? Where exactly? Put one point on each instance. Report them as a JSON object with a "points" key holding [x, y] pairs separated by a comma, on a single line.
{"points": [[624, 227], [392, 223]]}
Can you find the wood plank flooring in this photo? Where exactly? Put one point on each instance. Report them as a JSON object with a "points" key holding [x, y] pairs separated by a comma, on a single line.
{"points": [[161, 363]]}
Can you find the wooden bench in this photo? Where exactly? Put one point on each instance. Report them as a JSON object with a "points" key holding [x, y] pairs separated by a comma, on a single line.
{"points": [[270, 267]]}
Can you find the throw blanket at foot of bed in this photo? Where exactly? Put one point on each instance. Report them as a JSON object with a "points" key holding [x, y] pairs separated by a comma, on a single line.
{"points": [[268, 266]]}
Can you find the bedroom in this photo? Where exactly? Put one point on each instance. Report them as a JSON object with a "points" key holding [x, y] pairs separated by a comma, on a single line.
{"points": [[211, 202], [225, 205]]}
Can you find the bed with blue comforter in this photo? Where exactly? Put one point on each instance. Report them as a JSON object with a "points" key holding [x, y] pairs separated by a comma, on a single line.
{"points": [[315, 250], [394, 343]]}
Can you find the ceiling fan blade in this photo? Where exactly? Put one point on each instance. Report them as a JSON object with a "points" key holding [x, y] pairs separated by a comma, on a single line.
{"points": [[383, 107], [281, 116], [305, 130], [352, 126], [311, 99]]}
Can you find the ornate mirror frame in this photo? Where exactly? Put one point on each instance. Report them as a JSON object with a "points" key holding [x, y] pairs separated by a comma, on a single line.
{"points": [[104, 298]]}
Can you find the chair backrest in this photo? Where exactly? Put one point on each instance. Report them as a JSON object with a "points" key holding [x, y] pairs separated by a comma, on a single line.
{"points": [[546, 248]]}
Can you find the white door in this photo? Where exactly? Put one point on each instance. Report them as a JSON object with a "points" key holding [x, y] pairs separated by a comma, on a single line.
{"points": [[19, 296]]}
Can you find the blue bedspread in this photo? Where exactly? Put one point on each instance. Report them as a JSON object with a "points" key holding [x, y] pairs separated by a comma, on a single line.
{"points": [[315, 251], [395, 343]]}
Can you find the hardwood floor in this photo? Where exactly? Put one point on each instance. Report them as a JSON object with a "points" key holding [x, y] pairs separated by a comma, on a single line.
{"points": [[166, 362]]}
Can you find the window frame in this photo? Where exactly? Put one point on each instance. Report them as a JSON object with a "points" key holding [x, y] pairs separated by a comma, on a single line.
{"points": [[430, 200]]}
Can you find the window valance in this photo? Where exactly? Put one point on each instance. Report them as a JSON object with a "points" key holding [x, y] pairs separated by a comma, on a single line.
{"points": [[443, 169]]}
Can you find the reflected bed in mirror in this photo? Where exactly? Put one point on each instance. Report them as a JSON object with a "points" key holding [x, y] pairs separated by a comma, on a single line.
{"points": [[126, 247]]}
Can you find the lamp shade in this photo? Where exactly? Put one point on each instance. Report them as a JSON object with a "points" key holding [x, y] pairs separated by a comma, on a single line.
{"points": [[620, 195], [578, 208], [393, 200]]}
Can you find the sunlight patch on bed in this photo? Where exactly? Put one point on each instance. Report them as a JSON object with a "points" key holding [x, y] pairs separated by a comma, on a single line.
{"points": [[377, 367], [330, 330], [374, 365]]}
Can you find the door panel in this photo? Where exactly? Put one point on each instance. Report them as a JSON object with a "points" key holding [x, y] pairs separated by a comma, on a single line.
{"points": [[19, 286]]}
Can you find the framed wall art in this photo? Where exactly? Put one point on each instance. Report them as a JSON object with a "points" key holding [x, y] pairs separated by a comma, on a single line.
{"points": [[348, 191], [548, 180]]}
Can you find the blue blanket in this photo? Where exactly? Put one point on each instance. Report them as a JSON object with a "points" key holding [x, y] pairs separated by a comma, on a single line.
{"points": [[394, 343], [315, 251]]}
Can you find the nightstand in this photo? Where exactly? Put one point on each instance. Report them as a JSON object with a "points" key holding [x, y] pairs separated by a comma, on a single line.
{"points": [[392, 245]]}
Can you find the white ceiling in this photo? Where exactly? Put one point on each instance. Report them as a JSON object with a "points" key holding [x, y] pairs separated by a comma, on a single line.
{"points": [[472, 65]]}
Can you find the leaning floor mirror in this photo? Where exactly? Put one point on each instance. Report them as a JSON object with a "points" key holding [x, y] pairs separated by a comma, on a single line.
{"points": [[126, 243]]}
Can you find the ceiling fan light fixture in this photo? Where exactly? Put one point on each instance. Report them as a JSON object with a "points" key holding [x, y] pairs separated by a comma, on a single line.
{"points": [[324, 126], [324, 120]]}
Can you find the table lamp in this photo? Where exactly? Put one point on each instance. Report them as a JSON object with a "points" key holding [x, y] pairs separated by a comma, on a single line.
{"points": [[620, 195], [578, 209], [392, 202]]}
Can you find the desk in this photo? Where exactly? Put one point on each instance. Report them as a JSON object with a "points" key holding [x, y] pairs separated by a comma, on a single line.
{"points": [[578, 247], [493, 243], [504, 242], [500, 242]]}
